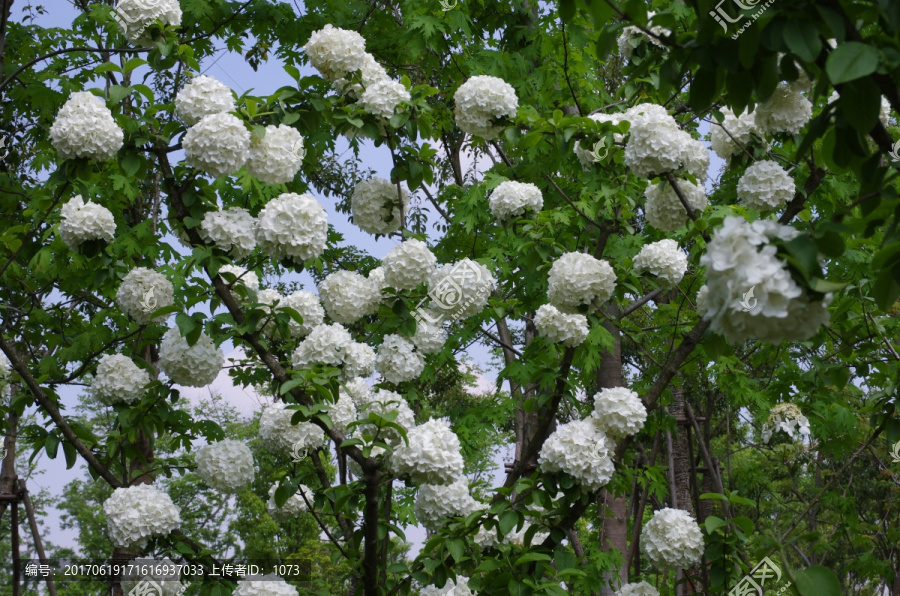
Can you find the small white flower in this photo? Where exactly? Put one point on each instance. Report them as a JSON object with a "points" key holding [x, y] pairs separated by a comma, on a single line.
{"points": [[459, 290], [278, 434], [325, 344], [637, 589], [336, 52], [556, 326], [277, 157], [203, 96], [358, 390], [135, 514], [664, 259], [727, 138], [397, 360], [192, 366], [232, 230], [342, 412], [657, 146], [480, 102], [672, 539], [84, 127], [227, 465], [578, 279], [579, 449], [348, 296], [245, 278], [408, 265], [765, 186], [701, 300], [292, 226], [586, 155], [788, 418], [629, 33], [219, 145], [382, 402], [511, 199], [370, 72], [376, 206], [382, 97], [359, 361], [292, 508], [429, 338], [786, 111], [433, 455], [618, 411], [119, 380], [136, 16], [664, 209], [144, 291], [436, 503], [85, 221], [307, 305]]}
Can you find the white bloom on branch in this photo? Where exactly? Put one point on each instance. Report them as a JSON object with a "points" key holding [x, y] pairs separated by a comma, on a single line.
{"points": [[85, 127], [618, 411], [119, 380], [397, 359], [788, 418], [277, 157], [382, 97], [578, 279], [85, 221], [232, 230], [359, 361], [665, 211], [480, 102], [376, 207], [786, 111], [657, 146], [370, 72], [510, 199], [383, 402], [429, 338], [460, 587], [203, 96], [325, 344], [138, 513], [358, 390], [460, 290], [664, 259], [144, 291], [734, 132], [408, 265], [292, 508], [637, 589], [192, 366], [433, 455], [342, 412], [631, 32], [292, 226], [227, 465], [267, 585], [672, 539], [309, 309], [348, 296], [5, 375], [376, 276], [765, 185], [702, 300], [136, 16], [336, 52], [586, 156], [435, 503], [556, 326], [219, 145], [280, 436], [580, 450]]}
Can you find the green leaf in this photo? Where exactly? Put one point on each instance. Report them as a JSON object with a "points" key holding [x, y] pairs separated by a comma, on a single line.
{"points": [[703, 89], [817, 581], [860, 104], [803, 39], [886, 290], [532, 557], [713, 523], [51, 444], [850, 61], [508, 520], [117, 93], [457, 548], [185, 324]]}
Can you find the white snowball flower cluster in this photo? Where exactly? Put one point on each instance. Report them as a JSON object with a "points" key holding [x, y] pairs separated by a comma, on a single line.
{"points": [[435, 503], [307, 305], [233, 230], [630, 33], [85, 221], [226, 466], [358, 390], [512, 198], [278, 434], [672, 539], [727, 137], [786, 417], [325, 344], [618, 411], [370, 73], [135, 514], [245, 278], [577, 279], [292, 226], [376, 276], [203, 96], [663, 208], [657, 146], [429, 338], [376, 207], [664, 259], [397, 359], [5, 374], [269, 299], [450, 588], [702, 300], [751, 291], [381, 403], [292, 508], [135, 16], [482, 100], [786, 111], [343, 412], [267, 585], [382, 97], [556, 326], [336, 52], [276, 158], [408, 264], [765, 186], [144, 291], [164, 572], [637, 589], [84, 127], [219, 145], [433, 455], [359, 361], [348, 296], [586, 155], [579, 449], [460, 290], [119, 380], [192, 366]]}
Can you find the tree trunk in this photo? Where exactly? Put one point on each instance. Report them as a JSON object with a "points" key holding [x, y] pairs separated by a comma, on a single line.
{"points": [[682, 477]]}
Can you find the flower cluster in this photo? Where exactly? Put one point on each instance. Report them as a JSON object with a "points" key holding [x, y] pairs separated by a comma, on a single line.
{"points": [[657, 146], [232, 230], [435, 503], [433, 455], [307, 306], [5, 373], [376, 206], [370, 73], [358, 390], [408, 264], [348, 296], [383, 402], [727, 137], [511, 198], [292, 226], [664, 209], [119, 380], [460, 290], [579, 449], [342, 412], [325, 344], [203, 96], [556, 326], [293, 507], [632, 36], [741, 258], [382, 97], [618, 411], [218, 145], [786, 417], [226, 466], [702, 300], [267, 585], [586, 156], [276, 158], [192, 366], [786, 111], [578, 279], [664, 260], [134, 514], [765, 186], [144, 291], [359, 361], [460, 587], [397, 359], [482, 100], [84, 127], [135, 16], [336, 52], [245, 278], [637, 589], [672, 539], [429, 338], [85, 221], [278, 434]]}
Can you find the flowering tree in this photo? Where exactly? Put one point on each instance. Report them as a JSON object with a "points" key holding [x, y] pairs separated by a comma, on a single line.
{"points": [[638, 313]]}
